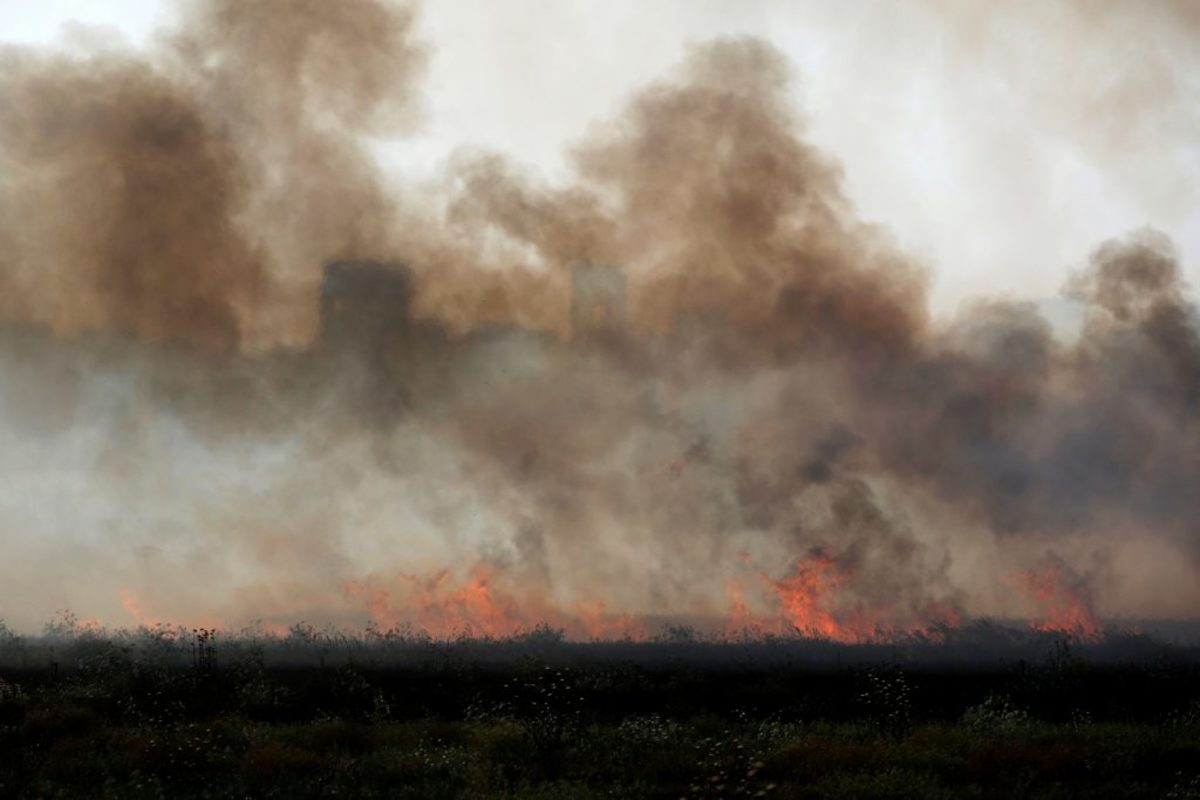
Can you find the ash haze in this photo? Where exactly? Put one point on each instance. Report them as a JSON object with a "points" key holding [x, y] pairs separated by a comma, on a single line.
{"points": [[823, 391]]}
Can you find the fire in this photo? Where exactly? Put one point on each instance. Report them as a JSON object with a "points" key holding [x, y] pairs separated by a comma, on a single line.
{"points": [[805, 594], [813, 600], [817, 598], [1064, 602], [742, 621], [134, 609], [598, 623], [813, 603], [481, 606], [474, 607]]}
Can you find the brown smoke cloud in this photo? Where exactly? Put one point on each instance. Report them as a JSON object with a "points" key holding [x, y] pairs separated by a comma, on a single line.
{"points": [[235, 433], [119, 199], [192, 193]]}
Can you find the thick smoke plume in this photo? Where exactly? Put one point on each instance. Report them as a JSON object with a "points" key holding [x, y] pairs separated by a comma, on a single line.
{"points": [[172, 197], [245, 377]]}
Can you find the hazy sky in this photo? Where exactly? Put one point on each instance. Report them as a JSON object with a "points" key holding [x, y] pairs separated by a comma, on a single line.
{"points": [[999, 148]]}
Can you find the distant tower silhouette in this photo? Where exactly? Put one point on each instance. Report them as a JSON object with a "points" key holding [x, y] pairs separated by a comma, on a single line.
{"points": [[365, 306], [598, 299], [366, 320]]}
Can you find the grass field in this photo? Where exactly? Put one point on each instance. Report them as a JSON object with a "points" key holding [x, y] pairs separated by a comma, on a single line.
{"points": [[188, 714]]}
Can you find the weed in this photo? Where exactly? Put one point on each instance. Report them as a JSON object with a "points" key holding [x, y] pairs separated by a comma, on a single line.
{"points": [[996, 714], [886, 698]]}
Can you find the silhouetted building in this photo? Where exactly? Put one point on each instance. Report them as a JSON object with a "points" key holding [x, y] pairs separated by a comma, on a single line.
{"points": [[598, 299], [366, 306]]}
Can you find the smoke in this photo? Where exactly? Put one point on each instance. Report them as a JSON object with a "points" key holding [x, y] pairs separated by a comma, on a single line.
{"points": [[191, 193], [118, 200], [746, 390]]}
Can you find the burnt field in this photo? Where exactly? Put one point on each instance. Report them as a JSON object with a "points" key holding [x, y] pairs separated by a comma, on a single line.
{"points": [[987, 711]]}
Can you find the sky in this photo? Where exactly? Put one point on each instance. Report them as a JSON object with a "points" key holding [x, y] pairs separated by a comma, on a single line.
{"points": [[999, 149]]}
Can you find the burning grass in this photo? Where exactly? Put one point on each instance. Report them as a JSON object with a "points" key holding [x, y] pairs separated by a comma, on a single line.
{"points": [[815, 598]]}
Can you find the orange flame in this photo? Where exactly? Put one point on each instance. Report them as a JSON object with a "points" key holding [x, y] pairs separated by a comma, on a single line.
{"points": [[596, 622], [131, 606], [804, 595], [810, 605], [809, 601], [481, 607], [473, 605], [742, 621], [1064, 601]]}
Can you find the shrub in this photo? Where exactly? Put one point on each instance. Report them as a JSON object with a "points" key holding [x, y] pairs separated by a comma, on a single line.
{"points": [[886, 698], [996, 714], [546, 707], [1186, 787], [7, 637]]}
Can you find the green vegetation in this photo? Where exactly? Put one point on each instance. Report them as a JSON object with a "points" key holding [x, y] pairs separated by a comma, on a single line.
{"points": [[164, 714]]}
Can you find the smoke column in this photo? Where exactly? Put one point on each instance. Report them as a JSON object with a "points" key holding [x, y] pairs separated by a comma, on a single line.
{"points": [[242, 376]]}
